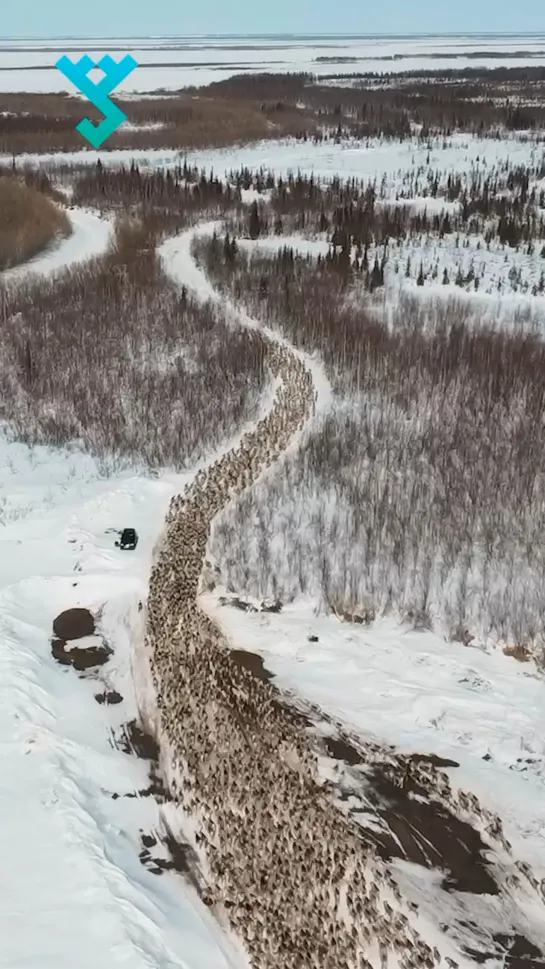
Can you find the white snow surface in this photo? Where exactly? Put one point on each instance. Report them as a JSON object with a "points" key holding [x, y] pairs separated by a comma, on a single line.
{"points": [[170, 63], [374, 157], [74, 892]]}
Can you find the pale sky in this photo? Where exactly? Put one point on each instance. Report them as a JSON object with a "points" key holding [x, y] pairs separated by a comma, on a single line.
{"points": [[40, 18]]}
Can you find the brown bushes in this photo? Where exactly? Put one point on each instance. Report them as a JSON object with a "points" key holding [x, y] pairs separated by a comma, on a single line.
{"points": [[29, 222], [257, 106], [113, 357], [423, 490], [47, 123], [477, 100]]}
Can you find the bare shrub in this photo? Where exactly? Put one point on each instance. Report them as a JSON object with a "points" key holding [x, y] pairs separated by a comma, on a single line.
{"points": [[113, 357], [29, 222], [423, 490], [47, 122]]}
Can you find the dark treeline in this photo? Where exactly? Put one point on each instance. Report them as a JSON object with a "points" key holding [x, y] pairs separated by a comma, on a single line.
{"points": [[504, 204], [167, 198], [249, 107], [500, 205], [390, 105]]}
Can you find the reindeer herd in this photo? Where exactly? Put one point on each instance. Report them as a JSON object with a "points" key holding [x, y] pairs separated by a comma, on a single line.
{"points": [[287, 870]]}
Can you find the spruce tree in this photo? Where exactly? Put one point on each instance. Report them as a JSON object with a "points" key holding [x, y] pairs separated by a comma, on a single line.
{"points": [[254, 228]]}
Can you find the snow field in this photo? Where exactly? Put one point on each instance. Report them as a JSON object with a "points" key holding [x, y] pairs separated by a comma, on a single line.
{"points": [[398, 162], [27, 65], [71, 869]]}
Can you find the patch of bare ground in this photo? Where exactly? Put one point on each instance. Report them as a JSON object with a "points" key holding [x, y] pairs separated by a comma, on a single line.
{"points": [[432, 759], [29, 222], [78, 625], [180, 856], [515, 951], [427, 833], [135, 740], [74, 624], [80, 657], [170, 852], [518, 952], [244, 659], [109, 697]]}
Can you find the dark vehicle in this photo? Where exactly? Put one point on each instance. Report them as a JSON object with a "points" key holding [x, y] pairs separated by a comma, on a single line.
{"points": [[129, 539]]}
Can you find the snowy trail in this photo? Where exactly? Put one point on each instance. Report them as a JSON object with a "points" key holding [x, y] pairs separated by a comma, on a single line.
{"points": [[91, 236], [180, 265]]}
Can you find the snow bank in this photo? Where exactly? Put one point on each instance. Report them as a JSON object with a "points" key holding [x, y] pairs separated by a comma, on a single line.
{"points": [[71, 869]]}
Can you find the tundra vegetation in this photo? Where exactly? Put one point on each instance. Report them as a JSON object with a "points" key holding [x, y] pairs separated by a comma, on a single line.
{"points": [[29, 221]]}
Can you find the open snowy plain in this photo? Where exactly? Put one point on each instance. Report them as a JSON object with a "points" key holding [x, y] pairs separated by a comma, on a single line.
{"points": [[171, 63]]}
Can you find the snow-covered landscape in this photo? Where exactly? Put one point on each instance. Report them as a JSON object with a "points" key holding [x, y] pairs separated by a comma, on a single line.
{"points": [[112, 858], [75, 890], [171, 63]]}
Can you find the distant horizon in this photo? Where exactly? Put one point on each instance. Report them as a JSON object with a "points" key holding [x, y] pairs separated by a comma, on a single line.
{"points": [[344, 35]]}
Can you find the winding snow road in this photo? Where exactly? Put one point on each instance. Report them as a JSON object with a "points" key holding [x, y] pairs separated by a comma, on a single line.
{"points": [[180, 266], [91, 235]]}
